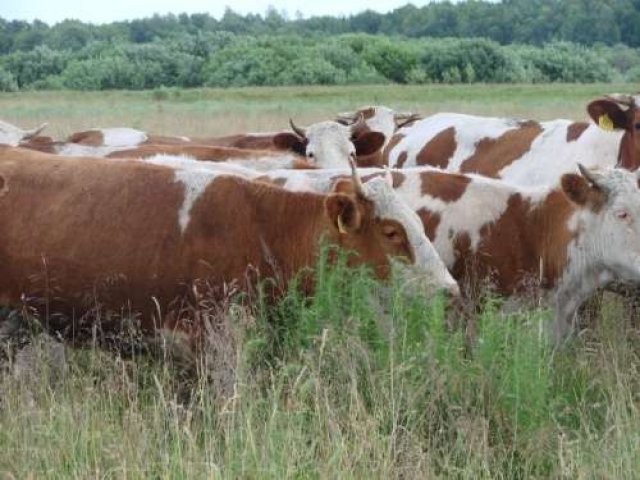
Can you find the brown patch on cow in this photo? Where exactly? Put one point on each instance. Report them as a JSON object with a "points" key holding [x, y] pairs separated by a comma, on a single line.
{"points": [[92, 138], [395, 139], [582, 193], [398, 178], [493, 154], [367, 113], [430, 221], [527, 245], [402, 159], [39, 143], [439, 150], [444, 186], [575, 130]]}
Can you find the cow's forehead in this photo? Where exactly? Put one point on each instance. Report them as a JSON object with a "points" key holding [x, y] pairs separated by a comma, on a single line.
{"points": [[327, 129]]}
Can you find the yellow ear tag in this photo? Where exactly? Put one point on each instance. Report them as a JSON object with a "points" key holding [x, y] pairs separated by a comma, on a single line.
{"points": [[605, 123], [341, 228]]}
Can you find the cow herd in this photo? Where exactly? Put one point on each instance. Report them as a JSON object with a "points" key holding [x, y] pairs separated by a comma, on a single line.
{"points": [[124, 220]]}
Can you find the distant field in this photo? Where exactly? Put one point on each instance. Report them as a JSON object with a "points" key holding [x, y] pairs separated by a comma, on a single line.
{"points": [[219, 112]]}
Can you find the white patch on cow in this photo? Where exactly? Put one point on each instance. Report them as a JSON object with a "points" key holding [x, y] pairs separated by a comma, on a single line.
{"points": [[77, 150], [193, 175], [187, 162], [266, 162], [122, 137]]}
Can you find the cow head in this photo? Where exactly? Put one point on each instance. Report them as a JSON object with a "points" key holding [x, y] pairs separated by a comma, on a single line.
{"points": [[608, 220], [373, 221], [620, 113], [378, 119], [329, 144]]}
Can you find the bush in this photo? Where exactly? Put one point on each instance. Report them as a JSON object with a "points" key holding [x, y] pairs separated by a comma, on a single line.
{"points": [[7, 81]]}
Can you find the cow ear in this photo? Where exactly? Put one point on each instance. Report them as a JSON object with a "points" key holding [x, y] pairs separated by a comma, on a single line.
{"points": [[345, 186], [343, 212], [581, 192], [576, 188], [608, 115], [368, 142], [290, 141]]}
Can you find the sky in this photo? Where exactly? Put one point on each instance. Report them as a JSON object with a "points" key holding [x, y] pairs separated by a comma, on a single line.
{"points": [[105, 11]]}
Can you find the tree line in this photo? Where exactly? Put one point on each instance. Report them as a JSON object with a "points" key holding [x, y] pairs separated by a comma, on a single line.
{"points": [[471, 41]]}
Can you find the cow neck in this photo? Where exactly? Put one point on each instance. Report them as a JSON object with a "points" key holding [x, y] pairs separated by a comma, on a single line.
{"points": [[628, 156], [548, 222], [300, 222]]}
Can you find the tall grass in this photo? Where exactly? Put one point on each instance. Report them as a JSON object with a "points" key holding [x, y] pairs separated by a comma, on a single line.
{"points": [[359, 381]]}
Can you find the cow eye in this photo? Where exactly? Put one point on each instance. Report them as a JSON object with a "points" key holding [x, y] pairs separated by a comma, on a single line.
{"points": [[392, 234], [622, 215], [637, 126], [310, 154]]}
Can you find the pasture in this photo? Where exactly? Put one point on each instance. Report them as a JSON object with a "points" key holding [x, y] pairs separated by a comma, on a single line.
{"points": [[358, 382]]}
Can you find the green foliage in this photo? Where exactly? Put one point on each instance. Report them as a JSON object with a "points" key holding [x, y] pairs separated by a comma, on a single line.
{"points": [[7, 81], [442, 42], [227, 60]]}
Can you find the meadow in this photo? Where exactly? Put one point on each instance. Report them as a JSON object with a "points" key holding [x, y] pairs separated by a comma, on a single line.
{"points": [[359, 381]]}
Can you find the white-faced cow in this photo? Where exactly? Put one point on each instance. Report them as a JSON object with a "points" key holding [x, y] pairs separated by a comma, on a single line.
{"points": [[135, 235], [523, 152], [571, 239]]}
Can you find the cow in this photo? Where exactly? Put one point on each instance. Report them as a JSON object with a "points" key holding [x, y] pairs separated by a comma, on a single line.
{"points": [[134, 235], [571, 238], [322, 145], [12, 135], [523, 152]]}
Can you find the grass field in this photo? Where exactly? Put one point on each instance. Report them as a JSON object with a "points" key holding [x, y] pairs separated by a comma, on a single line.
{"points": [[358, 382], [218, 112]]}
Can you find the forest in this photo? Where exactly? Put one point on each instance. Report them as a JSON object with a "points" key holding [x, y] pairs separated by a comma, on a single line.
{"points": [[513, 41]]}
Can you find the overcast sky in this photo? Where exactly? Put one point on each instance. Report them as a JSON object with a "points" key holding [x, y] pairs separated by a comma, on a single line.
{"points": [[104, 11]]}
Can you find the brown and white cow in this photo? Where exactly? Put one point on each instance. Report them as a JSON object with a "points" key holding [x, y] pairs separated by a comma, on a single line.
{"points": [[324, 145], [523, 152], [12, 135], [571, 239], [135, 235]]}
